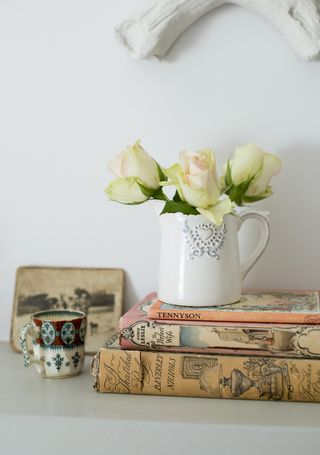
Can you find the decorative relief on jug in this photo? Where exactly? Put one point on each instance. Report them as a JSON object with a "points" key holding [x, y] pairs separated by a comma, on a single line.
{"points": [[204, 239]]}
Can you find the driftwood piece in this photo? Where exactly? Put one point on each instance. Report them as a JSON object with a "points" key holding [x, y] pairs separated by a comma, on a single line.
{"points": [[152, 32]]}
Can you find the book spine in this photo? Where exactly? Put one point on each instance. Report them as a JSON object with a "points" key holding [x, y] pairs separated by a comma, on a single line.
{"points": [[232, 316], [238, 339], [178, 374]]}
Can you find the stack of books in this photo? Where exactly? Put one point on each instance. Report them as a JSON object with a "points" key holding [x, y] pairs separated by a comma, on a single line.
{"points": [[264, 347]]}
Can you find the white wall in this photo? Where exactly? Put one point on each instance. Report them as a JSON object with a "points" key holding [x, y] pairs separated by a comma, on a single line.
{"points": [[70, 98]]}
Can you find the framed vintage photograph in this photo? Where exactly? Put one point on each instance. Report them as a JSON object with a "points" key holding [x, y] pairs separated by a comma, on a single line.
{"points": [[97, 292]]}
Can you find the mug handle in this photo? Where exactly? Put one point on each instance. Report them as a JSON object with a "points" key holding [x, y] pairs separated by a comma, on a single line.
{"points": [[263, 242], [26, 330]]}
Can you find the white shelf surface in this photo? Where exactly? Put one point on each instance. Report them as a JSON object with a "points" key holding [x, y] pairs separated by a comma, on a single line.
{"points": [[45, 416]]}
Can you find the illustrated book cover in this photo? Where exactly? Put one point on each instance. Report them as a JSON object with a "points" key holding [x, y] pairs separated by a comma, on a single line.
{"points": [[180, 374], [138, 331], [255, 305]]}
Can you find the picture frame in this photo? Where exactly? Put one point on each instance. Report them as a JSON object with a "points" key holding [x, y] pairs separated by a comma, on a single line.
{"points": [[96, 291]]}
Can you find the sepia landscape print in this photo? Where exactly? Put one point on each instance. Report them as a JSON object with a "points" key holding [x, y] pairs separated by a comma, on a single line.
{"points": [[96, 292]]}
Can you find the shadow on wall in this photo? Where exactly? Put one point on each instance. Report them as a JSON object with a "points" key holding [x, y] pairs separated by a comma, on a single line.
{"points": [[292, 258], [130, 294]]}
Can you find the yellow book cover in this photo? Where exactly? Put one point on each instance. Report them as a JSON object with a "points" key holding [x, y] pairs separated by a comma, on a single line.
{"points": [[211, 376]]}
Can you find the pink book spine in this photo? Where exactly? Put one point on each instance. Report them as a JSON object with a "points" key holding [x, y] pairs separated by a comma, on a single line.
{"points": [[274, 310], [137, 331]]}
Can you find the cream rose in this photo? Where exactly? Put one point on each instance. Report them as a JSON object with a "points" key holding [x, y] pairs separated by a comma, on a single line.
{"points": [[134, 161], [138, 176], [197, 183], [246, 163], [125, 190], [260, 185], [247, 175], [196, 178]]}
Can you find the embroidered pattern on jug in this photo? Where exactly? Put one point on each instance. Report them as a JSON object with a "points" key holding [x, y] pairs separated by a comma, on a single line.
{"points": [[204, 239]]}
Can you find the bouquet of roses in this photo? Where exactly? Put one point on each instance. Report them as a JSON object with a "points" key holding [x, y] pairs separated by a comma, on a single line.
{"points": [[246, 179]]}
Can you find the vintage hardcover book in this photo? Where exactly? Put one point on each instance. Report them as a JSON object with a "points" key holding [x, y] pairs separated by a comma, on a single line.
{"points": [[138, 331], [263, 305], [215, 376]]}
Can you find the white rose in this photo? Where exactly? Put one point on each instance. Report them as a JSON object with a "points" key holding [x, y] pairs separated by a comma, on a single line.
{"points": [[247, 161], [125, 190], [260, 185], [134, 161], [248, 174], [196, 178], [197, 183]]}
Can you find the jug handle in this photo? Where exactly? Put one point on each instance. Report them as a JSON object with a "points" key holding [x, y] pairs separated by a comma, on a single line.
{"points": [[263, 219]]}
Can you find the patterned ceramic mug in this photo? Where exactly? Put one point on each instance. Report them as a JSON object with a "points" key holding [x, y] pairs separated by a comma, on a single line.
{"points": [[58, 342]]}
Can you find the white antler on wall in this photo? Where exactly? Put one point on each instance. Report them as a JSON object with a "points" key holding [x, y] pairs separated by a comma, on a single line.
{"points": [[153, 32]]}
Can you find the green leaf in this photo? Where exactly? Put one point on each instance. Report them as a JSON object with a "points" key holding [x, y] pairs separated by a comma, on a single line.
{"points": [[235, 194], [179, 207], [228, 178], [162, 175], [256, 198], [159, 194], [151, 193], [146, 191], [243, 187], [177, 197]]}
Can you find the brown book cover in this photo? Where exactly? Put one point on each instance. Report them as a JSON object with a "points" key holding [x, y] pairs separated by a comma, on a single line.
{"points": [[138, 331], [256, 305], [211, 376]]}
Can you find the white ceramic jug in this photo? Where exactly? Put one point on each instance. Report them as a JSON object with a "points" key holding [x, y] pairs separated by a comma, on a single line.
{"points": [[200, 262]]}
